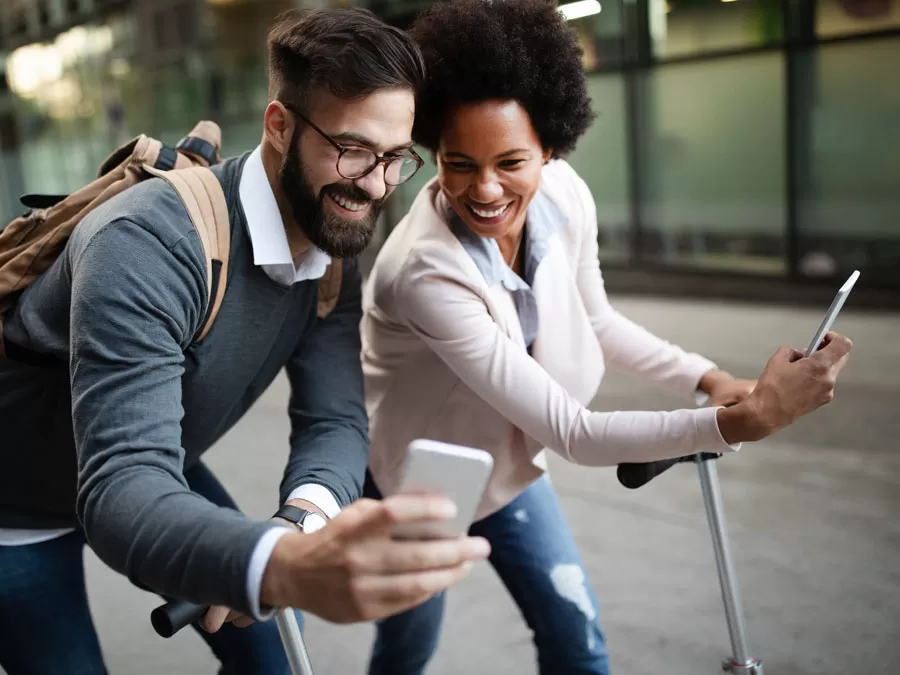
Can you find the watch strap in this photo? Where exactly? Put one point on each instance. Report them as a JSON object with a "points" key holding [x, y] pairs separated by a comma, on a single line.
{"points": [[292, 514]]}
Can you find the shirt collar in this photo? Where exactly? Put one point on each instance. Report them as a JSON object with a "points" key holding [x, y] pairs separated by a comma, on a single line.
{"points": [[544, 219], [265, 228]]}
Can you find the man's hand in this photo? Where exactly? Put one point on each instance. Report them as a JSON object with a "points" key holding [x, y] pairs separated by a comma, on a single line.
{"points": [[724, 389], [353, 570], [791, 386], [217, 615]]}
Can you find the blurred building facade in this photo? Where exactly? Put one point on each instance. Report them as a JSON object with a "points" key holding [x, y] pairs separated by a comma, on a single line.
{"points": [[750, 145]]}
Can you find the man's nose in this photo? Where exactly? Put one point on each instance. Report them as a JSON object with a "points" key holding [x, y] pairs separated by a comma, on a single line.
{"points": [[373, 183]]}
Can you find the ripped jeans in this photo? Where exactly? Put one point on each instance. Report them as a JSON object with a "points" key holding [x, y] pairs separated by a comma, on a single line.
{"points": [[535, 555]]}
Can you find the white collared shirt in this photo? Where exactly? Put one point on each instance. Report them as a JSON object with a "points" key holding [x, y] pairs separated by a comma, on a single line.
{"points": [[271, 251], [267, 236]]}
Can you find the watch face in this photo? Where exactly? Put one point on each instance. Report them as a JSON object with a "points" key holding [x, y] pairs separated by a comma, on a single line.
{"points": [[313, 522]]}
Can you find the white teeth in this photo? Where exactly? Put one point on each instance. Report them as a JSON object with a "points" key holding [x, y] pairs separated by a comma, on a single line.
{"points": [[347, 204], [488, 214]]}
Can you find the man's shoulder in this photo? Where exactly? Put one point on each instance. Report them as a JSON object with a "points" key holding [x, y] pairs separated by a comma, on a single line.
{"points": [[151, 207]]}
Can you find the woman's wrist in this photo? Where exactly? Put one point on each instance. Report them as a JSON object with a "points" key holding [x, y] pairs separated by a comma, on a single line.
{"points": [[741, 423]]}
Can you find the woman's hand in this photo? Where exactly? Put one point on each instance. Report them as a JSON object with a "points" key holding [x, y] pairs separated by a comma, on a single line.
{"points": [[723, 389], [791, 386]]}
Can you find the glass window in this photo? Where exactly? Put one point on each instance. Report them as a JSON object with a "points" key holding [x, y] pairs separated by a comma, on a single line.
{"points": [[236, 89], [685, 27], [598, 24], [846, 17], [850, 196], [711, 138], [12, 183], [71, 101], [601, 160]]}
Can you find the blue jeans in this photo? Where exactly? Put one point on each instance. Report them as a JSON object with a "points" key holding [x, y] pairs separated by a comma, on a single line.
{"points": [[45, 621], [533, 551]]}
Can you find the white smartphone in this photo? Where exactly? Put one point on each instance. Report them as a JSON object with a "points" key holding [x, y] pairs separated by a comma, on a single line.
{"points": [[456, 471], [832, 313]]}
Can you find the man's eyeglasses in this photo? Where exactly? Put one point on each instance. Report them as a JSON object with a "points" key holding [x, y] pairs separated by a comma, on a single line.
{"points": [[355, 162]]}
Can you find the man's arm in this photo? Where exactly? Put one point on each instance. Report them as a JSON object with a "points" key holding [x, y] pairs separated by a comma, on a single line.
{"points": [[329, 426], [136, 304], [329, 445]]}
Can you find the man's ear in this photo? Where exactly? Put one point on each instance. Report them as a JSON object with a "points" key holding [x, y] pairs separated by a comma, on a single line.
{"points": [[278, 126], [548, 155]]}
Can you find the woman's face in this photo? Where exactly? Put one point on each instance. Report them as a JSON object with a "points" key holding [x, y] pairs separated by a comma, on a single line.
{"points": [[489, 166]]}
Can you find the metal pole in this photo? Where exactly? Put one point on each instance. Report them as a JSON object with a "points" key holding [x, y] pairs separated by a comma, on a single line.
{"points": [[741, 663], [292, 638]]}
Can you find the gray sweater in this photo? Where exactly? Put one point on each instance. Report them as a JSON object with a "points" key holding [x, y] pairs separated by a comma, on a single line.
{"points": [[122, 306]]}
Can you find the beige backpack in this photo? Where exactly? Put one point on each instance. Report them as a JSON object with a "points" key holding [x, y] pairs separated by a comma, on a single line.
{"points": [[31, 243]]}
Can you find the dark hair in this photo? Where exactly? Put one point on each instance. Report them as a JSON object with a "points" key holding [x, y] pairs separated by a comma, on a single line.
{"points": [[350, 53], [523, 50]]}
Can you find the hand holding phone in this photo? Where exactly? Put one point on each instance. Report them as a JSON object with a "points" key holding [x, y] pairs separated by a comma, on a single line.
{"points": [[456, 471], [794, 383]]}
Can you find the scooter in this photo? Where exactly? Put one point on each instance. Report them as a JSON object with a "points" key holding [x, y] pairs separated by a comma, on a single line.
{"points": [[634, 475], [171, 617]]}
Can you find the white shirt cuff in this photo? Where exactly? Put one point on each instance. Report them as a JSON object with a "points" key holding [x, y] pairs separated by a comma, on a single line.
{"points": [[258, 562], [709, 435], [319, 495]]}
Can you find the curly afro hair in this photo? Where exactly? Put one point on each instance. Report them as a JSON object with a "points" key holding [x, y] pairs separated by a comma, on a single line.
{"points": [[523, 50]]}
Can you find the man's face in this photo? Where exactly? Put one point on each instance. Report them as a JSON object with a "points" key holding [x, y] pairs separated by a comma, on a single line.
{"points": [[338, 214]]}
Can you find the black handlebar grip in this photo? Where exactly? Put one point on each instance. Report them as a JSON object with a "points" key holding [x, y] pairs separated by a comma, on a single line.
{"points": [[171, 617], [635, 474]]}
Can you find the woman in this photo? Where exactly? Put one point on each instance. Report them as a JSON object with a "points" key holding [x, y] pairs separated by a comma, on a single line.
{"points": [[486, 324]]}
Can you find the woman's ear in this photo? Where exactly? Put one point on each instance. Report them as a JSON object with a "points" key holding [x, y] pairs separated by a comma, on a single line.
{"points": [[548, 155]]}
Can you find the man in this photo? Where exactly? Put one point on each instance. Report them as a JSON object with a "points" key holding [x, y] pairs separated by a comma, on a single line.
{"points": [[122, 306]]}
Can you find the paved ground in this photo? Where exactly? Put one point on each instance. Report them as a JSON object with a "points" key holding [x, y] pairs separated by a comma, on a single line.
{"points": [[814, 517]]}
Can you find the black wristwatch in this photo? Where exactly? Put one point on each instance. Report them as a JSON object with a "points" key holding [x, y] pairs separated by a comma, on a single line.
{"points": [[306, 521]]}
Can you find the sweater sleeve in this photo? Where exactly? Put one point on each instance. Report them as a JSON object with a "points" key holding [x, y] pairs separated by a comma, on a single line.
{"points": [[455, 323], [136, 304], [329, 425], [626, 345]]}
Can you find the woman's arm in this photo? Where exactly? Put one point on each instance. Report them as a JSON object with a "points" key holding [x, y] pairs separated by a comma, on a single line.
{"points": [[454, 322]]}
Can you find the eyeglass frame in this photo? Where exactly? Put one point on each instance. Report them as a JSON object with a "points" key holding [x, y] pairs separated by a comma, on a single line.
{"points": [[379, 159]]}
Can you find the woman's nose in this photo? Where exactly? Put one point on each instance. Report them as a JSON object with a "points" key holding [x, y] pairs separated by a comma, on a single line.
{"points": [[486, 189]]}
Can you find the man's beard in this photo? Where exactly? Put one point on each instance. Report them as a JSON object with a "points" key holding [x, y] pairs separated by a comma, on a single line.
{"points": [[336, 236]]}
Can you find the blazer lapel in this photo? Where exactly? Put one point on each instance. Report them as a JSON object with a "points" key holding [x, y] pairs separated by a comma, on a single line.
{"points": [[487, 270]]}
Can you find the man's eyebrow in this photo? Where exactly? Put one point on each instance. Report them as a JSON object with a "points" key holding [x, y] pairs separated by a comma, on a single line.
{"points": [[358, 139]]}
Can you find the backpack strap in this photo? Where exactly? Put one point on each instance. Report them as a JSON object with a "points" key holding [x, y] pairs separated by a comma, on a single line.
{"points": [[204, 200], [329, 288]]}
